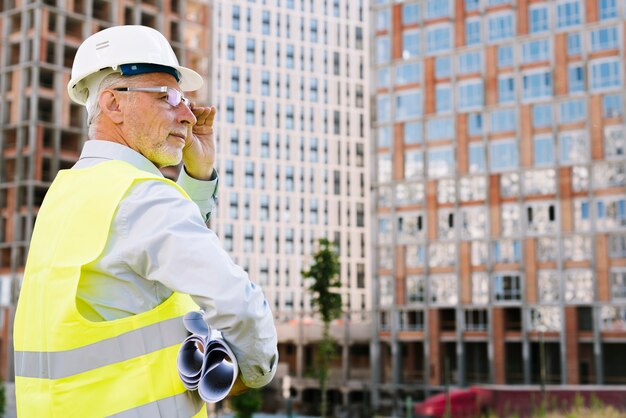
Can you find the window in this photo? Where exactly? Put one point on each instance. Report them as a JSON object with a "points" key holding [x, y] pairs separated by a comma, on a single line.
{"points": [[505, 56], [236, 18], [541, 218], [383, 109], [440, 162], [230, 47], [446, 191], [509, 184], [475, 124], [384, 137], [438, 38], [446, 225], [385, 284], [384, 167], [614, 142], [408, 73], [473, 222], [443, 289], [617, 246], [472, 32], [578, 286], [572, 111], [543, 147], [507, 287], [535, 51], [503, 155], [568, 13], [383, 78], [577, 248], [542, 115], [538, 19], [470, 94], [471, 5], [410, 44], [266, 22], [437, 8], [410, 14], [415, 289], [605, 74], [412, 132], [501, 26], [609, 174], [230, 109], [410, 227], [443, 95], [607, 9], [618, 284], [573, 44], [507, 251], [612, 106], [250, 50], [383, 19], [443, 67], [470, 62], [476, 320], [438, 129], [573, 147], [383, 50], [610, 213], [413, 164], [476, 158], [537, 85], [506, 89], [604, 38], [539, 182], [576, 78], [408, 105], [504, 120], [480, 287]]}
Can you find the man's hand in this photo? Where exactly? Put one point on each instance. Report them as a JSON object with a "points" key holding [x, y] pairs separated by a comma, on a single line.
{"points": [[238, 387], [199, 150]]}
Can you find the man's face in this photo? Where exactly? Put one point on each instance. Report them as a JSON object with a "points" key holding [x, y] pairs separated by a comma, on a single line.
{"points": [[151, 125]]}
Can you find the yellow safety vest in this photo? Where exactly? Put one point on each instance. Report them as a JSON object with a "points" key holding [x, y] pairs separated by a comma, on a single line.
{"points": [[67, 366]]}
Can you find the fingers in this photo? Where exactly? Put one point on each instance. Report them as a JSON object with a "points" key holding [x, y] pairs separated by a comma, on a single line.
{"points": [[204, 115]]}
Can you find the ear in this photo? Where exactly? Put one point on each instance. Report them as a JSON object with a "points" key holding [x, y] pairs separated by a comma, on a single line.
{"points": [[111, 106]]}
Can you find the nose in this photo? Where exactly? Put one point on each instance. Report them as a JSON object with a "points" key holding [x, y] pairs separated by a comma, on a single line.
{"points": [[185, 115]]}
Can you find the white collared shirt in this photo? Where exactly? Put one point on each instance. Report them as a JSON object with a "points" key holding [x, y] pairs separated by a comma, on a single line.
{"points": [[159, 243]]}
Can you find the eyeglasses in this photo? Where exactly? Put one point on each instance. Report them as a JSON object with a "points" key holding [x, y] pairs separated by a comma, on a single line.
{"points": [[174, 97]]}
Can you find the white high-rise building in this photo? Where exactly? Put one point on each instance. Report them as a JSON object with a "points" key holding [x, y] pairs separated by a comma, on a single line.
{"points": [[291, 85]]}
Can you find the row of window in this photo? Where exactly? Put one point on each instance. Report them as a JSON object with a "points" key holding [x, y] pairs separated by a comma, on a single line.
{"points": [[568, 12], [308, 89], [474, 188], [539, 318], [311, 26], [316, 6], [553, 286], [536, 85], [290, 56], [503, 156], [575, 248], [347, 214], [533, 218], [279, 146], [292, 118]]}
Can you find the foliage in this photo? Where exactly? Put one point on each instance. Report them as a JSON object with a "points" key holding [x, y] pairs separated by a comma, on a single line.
{"points": [[325, 274], [247, 403], [2, 399]]}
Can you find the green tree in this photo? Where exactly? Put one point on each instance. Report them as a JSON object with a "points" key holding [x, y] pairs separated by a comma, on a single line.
{"points": [[325, 274], [247, 403]]}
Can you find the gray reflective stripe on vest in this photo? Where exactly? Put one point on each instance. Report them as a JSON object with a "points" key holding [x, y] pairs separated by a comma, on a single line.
{"points": [[135, 343], [183, 405]]}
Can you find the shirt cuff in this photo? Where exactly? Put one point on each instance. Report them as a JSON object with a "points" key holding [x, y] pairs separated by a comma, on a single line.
{"points": [[202, 192], [256, 376]]}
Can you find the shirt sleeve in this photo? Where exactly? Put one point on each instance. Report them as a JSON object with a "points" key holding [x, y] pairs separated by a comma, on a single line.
{"points": [[202, 192], [166, 240]]}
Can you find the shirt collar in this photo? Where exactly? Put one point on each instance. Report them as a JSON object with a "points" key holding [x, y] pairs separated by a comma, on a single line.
{"points": [[113, 151]]}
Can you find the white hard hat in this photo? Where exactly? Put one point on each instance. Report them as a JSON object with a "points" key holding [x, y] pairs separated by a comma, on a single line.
{"points": [[106, 51]]}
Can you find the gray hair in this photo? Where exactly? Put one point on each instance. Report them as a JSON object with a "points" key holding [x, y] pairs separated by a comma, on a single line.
{"points": [[93, 105]]}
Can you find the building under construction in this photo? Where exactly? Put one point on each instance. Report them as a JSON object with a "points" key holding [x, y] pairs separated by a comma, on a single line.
{"points": [[500, 193], [41, 130]]}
